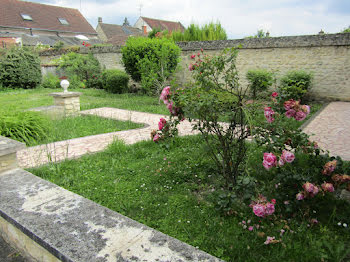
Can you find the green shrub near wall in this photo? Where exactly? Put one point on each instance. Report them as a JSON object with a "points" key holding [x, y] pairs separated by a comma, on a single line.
{"points": [[20, 68], [51, 81], [115, 81], [259, 80], [295, 84], [137, 48]]}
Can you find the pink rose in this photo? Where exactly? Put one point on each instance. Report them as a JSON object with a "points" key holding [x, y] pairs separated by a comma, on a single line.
{"points": [[268, 112], [259, 210], [289, 104], [306, 109], [308, 187], [274, 94], [300, 116], [269, 160], [193, 56], [300, 196], [250, 228], [288, 156], [172, 109], [290, 113], [328, 187], [269, 240], [281, 162], [156, 138], [190, 67], [270, 209], [161, 123], [165, 94]]}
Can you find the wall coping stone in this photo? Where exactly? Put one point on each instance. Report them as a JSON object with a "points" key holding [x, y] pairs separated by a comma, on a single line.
{"points": [[9, 146], [66, 94], [341, 39], [73, 228]]}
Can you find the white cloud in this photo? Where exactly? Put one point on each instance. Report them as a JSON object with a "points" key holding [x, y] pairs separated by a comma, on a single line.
{"points": [[239, 18]]}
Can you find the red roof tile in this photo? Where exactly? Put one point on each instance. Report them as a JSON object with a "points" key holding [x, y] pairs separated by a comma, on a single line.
{"points": [[163, 24], [44, 17]]}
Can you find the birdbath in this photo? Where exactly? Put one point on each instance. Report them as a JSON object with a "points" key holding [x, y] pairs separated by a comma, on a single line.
{"points": [[67, 102]]}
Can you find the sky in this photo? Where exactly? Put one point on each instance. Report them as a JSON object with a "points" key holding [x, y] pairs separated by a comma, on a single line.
{"points": [[240, 18]]}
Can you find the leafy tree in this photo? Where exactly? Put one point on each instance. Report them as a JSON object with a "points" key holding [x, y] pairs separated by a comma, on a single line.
{"points": [[20, 68], [346, 30]]}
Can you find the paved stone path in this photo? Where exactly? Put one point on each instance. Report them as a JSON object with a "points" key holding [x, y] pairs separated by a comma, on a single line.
{"points": [[331, 129], [74, 148]]}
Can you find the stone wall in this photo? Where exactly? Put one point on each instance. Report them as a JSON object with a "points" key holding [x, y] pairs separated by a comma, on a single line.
{"points": [[326, 56]]}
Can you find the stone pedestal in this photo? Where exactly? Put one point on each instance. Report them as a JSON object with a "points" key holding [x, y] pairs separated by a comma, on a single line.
{"points": [[69, 102], [8, 150]]}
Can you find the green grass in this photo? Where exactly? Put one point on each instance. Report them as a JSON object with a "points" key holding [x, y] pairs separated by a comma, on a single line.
{"points": [[73, 127], [174, 191], [91, 98]]}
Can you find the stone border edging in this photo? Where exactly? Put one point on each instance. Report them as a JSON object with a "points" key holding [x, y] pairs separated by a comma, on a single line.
{"points": [[77, 229]]}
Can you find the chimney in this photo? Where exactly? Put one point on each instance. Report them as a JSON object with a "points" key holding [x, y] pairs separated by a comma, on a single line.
{"points": [[144, 30], [100, 20]]}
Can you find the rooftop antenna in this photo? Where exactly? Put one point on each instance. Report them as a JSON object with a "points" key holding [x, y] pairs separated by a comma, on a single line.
{"points": [[140, 8]]}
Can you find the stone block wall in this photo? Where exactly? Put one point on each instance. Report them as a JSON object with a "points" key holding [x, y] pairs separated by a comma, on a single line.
{"points": [[327, 57]]}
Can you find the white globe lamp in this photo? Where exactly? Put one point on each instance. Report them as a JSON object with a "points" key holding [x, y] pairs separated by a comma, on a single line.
{"points": [[64, 85]]}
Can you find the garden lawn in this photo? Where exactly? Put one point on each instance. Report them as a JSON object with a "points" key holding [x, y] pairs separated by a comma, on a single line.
{"points": [[91, 98], [175, 191], [80, 126]]}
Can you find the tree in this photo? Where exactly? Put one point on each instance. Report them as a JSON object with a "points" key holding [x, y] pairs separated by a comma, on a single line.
{"points": [[126, 22]]}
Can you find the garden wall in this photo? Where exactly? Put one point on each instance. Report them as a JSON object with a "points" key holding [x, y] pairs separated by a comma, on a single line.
{"points": [[327, 56]]}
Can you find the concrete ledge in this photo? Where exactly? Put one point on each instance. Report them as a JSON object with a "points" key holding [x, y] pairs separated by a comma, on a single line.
{"points": [[73, 228], [9, 146], [67, 94]]}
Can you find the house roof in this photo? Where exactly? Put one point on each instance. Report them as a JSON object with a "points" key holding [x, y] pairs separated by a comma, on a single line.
{"points": [[163, 24], [44, 17], [118, 34]]}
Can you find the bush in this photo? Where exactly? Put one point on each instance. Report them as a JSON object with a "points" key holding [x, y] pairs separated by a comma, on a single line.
{"points": [[115, 81], [208, 32], [259, 80], [51, 81], [20, 68], [82, 66], [23, 126], [139, 48], [295, 84], [95, 81]]}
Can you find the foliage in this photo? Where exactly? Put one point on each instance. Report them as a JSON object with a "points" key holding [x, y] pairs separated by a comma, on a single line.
{"points": [[58, 45], [295, 84], [208, 32], [25, 126], [346, 30], [259, 80], [115, 81], [95, 81], [216, 96], [20, 68], [172, 191], [260, 34], [154, 32], [50, 81], [81, 66], [150, 61]]}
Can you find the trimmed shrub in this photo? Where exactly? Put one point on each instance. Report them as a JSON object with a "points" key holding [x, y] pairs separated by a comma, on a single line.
{"points": [[82, 66], [138, 48], [51, 81], [259, 80], [25, 126], [115, 81], [20, 68], [295, 84]]}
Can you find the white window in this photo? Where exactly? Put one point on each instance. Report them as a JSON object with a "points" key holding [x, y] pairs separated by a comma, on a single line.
{"points": [[63, 21], [27, 17]]}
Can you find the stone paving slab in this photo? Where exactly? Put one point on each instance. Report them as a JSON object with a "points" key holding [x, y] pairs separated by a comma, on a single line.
{"points": [[74, 148], [331, 129]]}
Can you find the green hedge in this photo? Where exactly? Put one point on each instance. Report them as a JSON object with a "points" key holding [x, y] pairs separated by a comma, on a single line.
{"points": [[138, 48], [259, 80], [115, 81], [20, 68], [295, 84]]}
